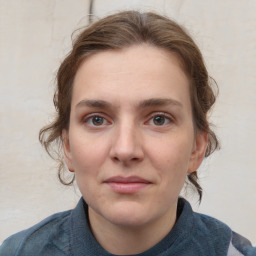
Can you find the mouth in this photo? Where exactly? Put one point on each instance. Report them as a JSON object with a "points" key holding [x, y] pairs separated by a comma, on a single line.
{"points": [[127, 185]]}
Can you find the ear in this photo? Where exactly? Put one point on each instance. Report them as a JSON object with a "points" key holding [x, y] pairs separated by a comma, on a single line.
{"points": [[198, 152], [66, 150]]}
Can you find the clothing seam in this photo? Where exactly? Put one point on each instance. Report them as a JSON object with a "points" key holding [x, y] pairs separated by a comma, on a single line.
{"points": [[71, 234], [19, 248], [231, 244], [234, 245], [181, 237]]}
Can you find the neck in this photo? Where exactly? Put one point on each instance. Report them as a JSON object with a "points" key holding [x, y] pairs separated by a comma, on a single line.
{"points": [[123, 240]]}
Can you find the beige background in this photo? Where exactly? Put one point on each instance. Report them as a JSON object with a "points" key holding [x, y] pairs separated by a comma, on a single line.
{"points": [[34, 37]]}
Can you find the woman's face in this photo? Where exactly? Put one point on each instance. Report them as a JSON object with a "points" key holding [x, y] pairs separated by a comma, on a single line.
{"points": [[131, 140]]}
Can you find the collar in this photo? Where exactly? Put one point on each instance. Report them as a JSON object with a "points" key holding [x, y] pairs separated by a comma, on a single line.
{"points": [[83, 243]]}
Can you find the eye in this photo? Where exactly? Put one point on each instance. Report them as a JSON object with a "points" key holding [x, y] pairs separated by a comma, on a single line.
{"points": [[160, 120], [96, 120]]}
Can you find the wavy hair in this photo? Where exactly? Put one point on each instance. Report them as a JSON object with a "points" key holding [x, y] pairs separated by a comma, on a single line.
{"points": [[119, 31]]}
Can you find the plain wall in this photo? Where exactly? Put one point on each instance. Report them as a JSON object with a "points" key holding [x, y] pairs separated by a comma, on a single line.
{"points": [[34, 37]]}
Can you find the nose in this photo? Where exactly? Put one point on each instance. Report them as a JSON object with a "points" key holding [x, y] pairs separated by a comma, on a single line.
{"points": [[127, 145]]}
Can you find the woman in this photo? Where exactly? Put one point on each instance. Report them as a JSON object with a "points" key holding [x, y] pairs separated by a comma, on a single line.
{"points": [[132, 99]]}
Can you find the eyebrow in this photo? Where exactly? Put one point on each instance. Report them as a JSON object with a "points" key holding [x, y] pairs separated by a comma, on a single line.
{"points": [[157, 102], [153, 102], [94, 104]]}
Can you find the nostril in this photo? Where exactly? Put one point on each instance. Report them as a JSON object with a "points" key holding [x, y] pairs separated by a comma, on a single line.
{"points": [[125, 148], [116, 159], [135, 159], [126, 160]]}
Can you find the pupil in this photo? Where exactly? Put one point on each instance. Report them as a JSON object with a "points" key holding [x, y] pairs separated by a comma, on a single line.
{"points": [[159, 120], [97, 120]]}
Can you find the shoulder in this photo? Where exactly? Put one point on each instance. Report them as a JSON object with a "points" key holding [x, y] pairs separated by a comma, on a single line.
{"points": [[239, 245], [211, 226], [222, 238], [210, 236], [48, 235]]}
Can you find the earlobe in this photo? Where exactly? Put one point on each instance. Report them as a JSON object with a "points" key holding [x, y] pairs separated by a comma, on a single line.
{"points": [[198, 152], [66, 150]]}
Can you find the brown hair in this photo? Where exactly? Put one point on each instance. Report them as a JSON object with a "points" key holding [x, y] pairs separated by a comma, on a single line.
{"points": [[123, 30]]}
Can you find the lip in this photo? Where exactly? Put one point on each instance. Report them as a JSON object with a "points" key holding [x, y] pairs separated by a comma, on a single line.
{"points": [[127, 185]]}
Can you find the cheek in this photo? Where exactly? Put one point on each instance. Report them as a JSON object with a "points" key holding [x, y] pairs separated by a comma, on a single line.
{"points": [[88, 156], [171, 158], [88, 153]]}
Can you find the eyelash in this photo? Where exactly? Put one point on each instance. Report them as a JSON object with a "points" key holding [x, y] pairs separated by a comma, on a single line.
{"points": [[167, 119], [89, 120]]}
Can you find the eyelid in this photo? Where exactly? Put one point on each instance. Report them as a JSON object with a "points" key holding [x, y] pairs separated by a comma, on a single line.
{"points": [[96, 114], [109, 121], [159, 113]]}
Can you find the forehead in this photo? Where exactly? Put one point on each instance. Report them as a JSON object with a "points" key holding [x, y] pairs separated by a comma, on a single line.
{"points": [[134, 74]]}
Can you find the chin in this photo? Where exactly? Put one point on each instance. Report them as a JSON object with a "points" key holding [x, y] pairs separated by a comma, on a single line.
{"points": [[131, 221], [128, 215]]}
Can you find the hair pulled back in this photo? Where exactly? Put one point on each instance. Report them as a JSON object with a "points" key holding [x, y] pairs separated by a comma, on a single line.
{"points": [[119, 31]]}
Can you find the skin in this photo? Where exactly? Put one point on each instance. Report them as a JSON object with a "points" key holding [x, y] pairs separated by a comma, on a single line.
{"points": [[131, 116]]}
